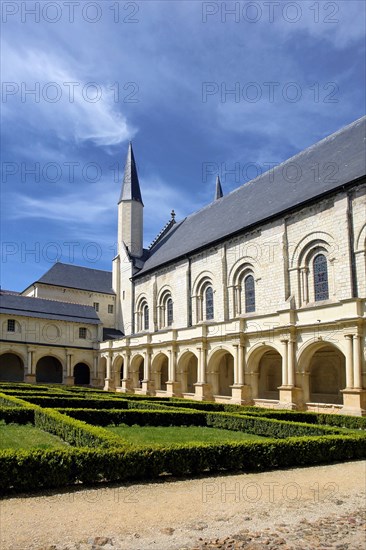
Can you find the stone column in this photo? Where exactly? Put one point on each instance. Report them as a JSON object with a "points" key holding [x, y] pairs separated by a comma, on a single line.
{"points": [[291, 363], [172, 386], [202, 390], [236, 364], [349, 361], [69, 380], [30, 377], [357, 361], [148, 385], [126, 382], [284, 362], [304, 284], [108, 381]]}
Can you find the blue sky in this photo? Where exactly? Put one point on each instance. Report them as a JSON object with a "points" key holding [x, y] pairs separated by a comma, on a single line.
{"points": [[199, 87]]}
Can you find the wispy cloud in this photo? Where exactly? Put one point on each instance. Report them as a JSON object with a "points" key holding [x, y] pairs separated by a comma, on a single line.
{"points": [[64, 102]]}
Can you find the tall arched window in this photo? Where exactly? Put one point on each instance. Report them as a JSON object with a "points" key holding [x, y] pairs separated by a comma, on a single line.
{"points": [[145, 311], [249, 292], [321, 290], [169, 310], [209, 303]]}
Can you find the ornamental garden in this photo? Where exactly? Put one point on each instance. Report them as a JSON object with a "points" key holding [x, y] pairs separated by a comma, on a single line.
{"points": [[53, 436]]}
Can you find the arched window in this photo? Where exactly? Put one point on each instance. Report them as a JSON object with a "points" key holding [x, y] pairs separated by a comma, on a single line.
{"points": [[321, 290], [145, 311], [169, 309], [209, 303], [249, 292]]}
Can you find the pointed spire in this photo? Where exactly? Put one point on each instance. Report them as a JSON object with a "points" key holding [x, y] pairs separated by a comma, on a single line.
{"points": [[218, 193], [130, 186]]}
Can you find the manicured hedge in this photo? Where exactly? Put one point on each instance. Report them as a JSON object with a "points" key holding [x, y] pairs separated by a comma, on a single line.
{"points": [[74, 432], [141, 417], [76, 402], [17, 415], [62, 467], [267, 426]]}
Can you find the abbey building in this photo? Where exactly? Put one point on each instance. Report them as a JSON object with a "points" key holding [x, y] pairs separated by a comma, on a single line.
{"points": [[258, 298]]}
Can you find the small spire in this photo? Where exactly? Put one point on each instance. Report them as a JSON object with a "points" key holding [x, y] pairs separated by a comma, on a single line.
{"points": [[172, 213], [130, 185], [218, 193]]}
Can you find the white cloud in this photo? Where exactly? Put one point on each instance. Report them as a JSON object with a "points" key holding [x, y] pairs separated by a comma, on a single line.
{"points": [[64, 103]]}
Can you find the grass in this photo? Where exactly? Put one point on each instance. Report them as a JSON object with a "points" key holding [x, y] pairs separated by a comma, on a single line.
{"points": [[15, 436], [159, 436]]}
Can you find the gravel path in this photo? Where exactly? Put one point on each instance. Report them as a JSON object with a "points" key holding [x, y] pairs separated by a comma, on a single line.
{"points": [[307, 508]]}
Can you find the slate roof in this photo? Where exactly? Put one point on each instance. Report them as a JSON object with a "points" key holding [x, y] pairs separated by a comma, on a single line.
{"points": [[47, 309], [112, 334], [82, 278], [130, 185], [269, 195]]}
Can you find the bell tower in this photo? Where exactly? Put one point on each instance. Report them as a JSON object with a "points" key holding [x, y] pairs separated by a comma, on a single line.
{"points": [[130, 209]]}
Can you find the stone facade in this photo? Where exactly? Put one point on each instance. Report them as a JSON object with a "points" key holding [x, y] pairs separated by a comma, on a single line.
{"points": [[272, 316]]}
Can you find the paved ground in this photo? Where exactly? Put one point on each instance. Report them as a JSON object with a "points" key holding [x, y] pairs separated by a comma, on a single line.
{"points": [[307, 508]]}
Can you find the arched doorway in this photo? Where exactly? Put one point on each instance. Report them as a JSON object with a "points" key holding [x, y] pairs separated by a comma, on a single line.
{"points": [[49, 370], [118, 370], [11, 368], [270, 375], [137, 371], [221, 369], [161, 370], [327, 376], [81, 374]]}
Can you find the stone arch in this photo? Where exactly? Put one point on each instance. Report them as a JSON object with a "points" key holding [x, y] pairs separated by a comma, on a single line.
{"points": [[165, 306], [204, 302], [137, 370], [49, 370], [221, 371], [324, 369], [160, 368], [264, 362], [81, 374], [188, 371], [310, 240], [11, 367]]}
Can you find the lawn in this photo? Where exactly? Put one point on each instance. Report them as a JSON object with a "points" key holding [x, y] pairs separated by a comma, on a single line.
{"points": [[15, 436], [159, 436]]}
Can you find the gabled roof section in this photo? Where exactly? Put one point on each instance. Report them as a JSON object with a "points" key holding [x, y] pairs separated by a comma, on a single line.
{"points": [[326, 166], [24, 306], [81, 278], [130, 186]]}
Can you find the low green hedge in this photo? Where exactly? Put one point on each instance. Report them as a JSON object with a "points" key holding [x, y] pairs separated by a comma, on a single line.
{"points": [[17, 415], [62, 467], [266, 426], [74, 432], [140, 417], [76, 402]]}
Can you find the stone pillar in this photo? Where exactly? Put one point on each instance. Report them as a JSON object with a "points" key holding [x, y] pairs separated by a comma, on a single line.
{"points": [[349, 361], [240, 393], [291, 363], [69, 379], [30, 377], [126, 382], [172, 386], [284, 362], [108, 380], [304, 284], [148, 385], [202, 390], [357, 362]]}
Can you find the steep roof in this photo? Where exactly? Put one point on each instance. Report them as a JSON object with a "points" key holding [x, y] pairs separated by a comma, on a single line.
{"points": [[329, 164], [130, 185], [47, 309], [218, 191], [82, 278]]}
